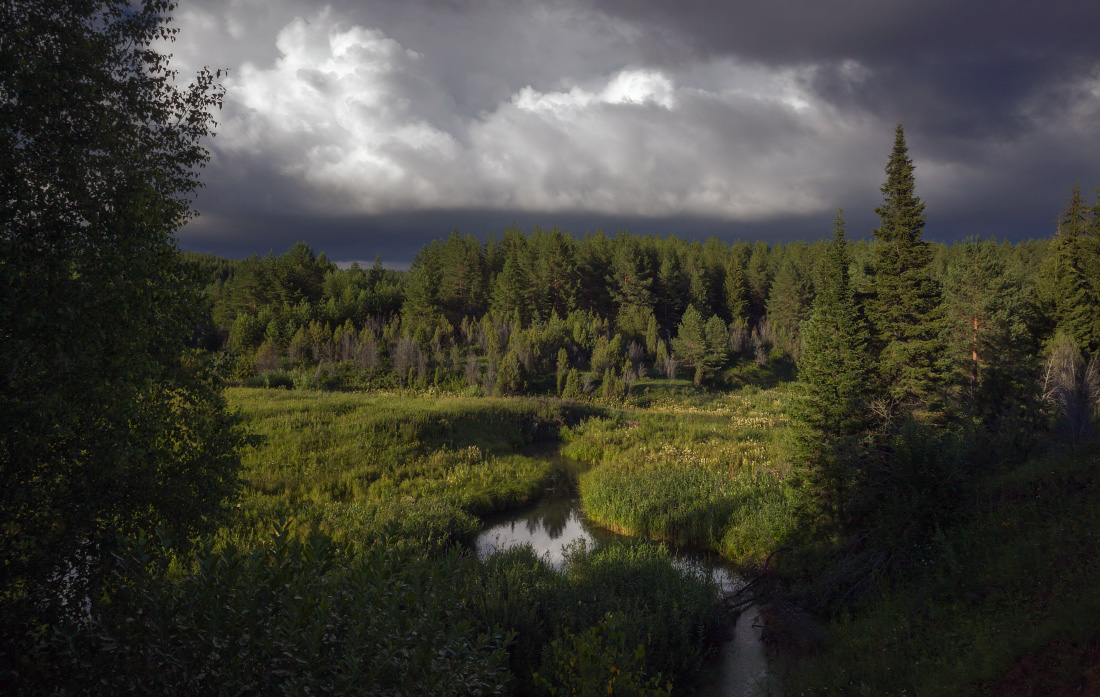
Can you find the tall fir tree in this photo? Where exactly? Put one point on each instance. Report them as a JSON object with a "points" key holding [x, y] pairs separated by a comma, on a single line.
{"points": [[422, 305], [557, 272], [594, 258], [672, 286], [789, 303], [463, 282], [905, 307], [835, 371], [690, 344], [515, 290], [1066, 283], [630, 284], [736, 292], [758, 273], [990, 311]]}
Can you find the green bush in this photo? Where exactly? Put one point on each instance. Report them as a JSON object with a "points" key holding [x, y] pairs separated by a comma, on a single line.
{"points": [[271, 378], [286, 618], [599, 662], [657, 607]]}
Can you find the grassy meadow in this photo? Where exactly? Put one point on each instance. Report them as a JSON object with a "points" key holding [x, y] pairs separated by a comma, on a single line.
{"points": [[420, 471], [1003, 602], [707, 471], [675, 464], [361, 465]]}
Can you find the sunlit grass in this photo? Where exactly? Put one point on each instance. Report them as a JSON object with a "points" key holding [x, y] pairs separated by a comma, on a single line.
{"points": [[349, 463], [701, 470]]}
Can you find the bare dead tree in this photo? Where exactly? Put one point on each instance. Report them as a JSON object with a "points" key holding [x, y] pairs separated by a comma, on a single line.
{"points": [[406, 355], [473, 370], [667, 366], [1072, 388], [366, 358]]}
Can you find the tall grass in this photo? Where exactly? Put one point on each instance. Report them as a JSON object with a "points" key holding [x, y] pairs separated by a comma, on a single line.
{"points": [[668, 613], [703, 471], [357, 465]]}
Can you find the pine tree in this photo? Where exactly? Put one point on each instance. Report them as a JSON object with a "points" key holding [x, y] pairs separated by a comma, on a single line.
{"points": [[594, 257], [905, 308], [422, 292], [834, 370], [759, 276], [1066, 276], [672, 285], [990, 314], [509, 379], [557, 272], [689, 345], [700, 285], [562, 369], [736, 293], [572, 388], [630, 284], [514, 287], [717, 341], [651, 336], [789, 303], [463, 282]]}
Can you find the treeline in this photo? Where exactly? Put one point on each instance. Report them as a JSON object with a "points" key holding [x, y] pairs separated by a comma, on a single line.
{"points": [[547, 311], [931, 372]]}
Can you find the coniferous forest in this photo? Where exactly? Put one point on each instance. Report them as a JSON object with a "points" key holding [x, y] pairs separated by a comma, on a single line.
{"points": [[273, 475]]}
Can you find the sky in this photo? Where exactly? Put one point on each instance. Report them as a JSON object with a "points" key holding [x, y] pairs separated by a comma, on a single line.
{"points": [[367, 128]]}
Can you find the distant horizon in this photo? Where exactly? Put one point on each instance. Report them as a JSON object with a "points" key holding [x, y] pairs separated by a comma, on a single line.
{"points": [[403, 245]]}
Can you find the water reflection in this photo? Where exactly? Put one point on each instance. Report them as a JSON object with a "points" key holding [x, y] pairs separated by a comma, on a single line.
{"points": [[740, 666], [549, 527]]}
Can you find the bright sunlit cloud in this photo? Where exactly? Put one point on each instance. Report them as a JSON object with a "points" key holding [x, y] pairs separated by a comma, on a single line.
{"points": [[335, 111]]}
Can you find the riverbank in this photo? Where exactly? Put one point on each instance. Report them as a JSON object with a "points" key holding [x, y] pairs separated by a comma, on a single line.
{"points": [[556, 530]]}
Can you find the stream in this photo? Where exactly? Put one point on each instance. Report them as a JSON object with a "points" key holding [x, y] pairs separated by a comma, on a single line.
{"points": [[740, 666]]}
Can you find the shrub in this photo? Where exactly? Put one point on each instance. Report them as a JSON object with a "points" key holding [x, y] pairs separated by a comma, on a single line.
{"points": [[271, 378], [288, 617], [599, 662]]}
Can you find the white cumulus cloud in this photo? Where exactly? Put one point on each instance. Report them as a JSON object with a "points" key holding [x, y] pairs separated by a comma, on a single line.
{"points": [[365, 125]]}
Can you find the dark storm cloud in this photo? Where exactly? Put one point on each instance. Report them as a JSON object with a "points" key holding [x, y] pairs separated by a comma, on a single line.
{"points": [[945, 67], [376, 127]]}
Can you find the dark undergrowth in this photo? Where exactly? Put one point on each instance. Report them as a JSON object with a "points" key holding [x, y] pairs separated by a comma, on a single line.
{"points": [[1004, 601]]}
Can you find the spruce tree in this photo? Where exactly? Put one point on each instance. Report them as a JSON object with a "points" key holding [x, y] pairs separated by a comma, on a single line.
{"points": [[651, 336], [557, 272], [990, 310], [789, 304], [834, 370], [514, 287], [736, 293], [905, 307], [758, 274], [672, 286], [562, 369], [463, 282], [1067, 283], [717, 341], [690, 342], [422, 291]]}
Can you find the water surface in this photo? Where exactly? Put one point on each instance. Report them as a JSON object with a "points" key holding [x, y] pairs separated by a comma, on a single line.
{"points": [[740, 666]]}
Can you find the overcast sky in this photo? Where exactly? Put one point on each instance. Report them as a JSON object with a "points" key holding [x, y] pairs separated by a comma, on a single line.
{"points": [[373, 127]]}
